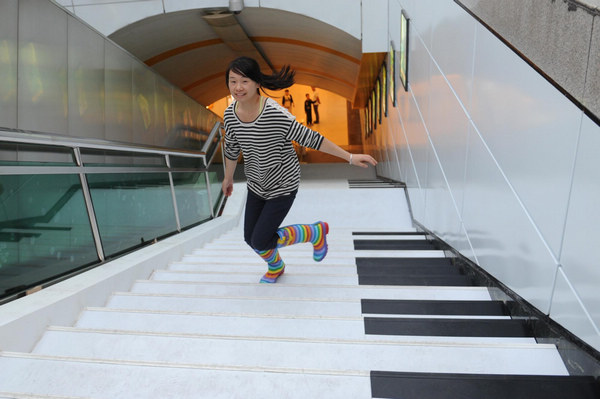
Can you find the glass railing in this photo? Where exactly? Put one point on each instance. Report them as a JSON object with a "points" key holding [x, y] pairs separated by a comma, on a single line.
{"points": [[70, 204]]}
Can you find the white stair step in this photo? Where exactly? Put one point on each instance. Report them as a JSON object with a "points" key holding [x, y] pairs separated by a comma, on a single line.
{"points": [[234, 242], [288, 354], [312, 267], [327, 292], [293, 258], [289, 277], [273, 327], [234, 325], [256, 306], [80, 378]]}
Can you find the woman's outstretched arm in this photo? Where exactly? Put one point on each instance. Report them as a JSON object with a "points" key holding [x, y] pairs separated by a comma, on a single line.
{"points": [[362, 160]]}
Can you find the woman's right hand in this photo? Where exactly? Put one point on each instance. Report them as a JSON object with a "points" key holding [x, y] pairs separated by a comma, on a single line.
{"points": [[227, 187]]}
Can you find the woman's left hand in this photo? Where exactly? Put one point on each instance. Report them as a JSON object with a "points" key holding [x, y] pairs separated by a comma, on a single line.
{"points": [[363, 160]]}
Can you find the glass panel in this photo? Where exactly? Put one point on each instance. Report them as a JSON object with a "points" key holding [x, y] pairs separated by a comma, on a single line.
{"points": [[131, 209], [44, 230], [186, 162], [93, 157], [216, 175], [192, 198], [33, 154]]}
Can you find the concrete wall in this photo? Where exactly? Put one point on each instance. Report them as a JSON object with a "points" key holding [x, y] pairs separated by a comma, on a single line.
{"points": [[498, 162], [560, 37]]}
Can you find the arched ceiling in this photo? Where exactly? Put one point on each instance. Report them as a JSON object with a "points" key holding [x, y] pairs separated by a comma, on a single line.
{"points": [[192, 48]]}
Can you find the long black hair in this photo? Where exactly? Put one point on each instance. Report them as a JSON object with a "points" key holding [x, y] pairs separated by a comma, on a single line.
{"points": [[249, 68]]}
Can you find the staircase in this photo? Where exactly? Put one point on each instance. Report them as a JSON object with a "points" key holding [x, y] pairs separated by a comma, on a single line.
{"points": [[385, 315]]}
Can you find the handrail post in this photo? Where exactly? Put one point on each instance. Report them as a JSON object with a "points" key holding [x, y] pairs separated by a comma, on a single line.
{"points": [[89, 206], [173, 196], [208, 190]]}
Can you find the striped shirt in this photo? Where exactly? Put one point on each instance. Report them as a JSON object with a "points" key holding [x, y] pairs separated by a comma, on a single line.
{"points": [[270, 161]]}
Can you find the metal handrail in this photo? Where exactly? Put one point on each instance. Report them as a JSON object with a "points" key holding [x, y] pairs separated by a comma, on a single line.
{"points": [[75, 145], [28, 137]]}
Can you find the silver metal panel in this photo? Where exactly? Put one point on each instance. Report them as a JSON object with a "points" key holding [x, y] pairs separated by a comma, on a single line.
{"points": [[118, 99], [505, 242], [163, 116], [9, 11], [144, 104], [580, 257], [568, 310], [86, 81], [42, 87], [530, 127]]}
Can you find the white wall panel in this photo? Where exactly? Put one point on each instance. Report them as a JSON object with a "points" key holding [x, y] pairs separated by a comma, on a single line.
{"points": [[375, 26], [504, 240], [529, 197], [42, 84], [448, 127], [580, 257], [522, 117], [343, 14], [111, 16], [419, 74], [86, 81], [441, 212], [453, 44], [9, 11], [568, 310]]}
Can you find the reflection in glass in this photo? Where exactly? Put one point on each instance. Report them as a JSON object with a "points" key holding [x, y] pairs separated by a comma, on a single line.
{"points": [[44, 230], [131, 209]]}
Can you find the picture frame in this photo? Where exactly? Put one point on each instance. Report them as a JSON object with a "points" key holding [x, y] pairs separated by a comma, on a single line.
{"points": [[392, 74], [403, 56], [384, 89], [373, 111], [368, 119]]}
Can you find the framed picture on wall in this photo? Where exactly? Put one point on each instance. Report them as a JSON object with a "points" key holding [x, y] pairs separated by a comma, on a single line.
{"points": [[378, 90], [368, 119], [403, 56], [384, 89], [392, 72], [373, 110], [378, 101]]}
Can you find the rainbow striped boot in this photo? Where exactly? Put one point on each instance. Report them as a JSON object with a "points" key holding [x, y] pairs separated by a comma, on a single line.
{"points": [[276, 265], [315, 233]]}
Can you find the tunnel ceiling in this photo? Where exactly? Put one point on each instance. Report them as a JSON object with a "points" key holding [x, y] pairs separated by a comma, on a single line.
{"points": [[192, 49]]}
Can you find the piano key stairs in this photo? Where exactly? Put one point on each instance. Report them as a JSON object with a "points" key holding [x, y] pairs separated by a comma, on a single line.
{"points": [[385, 315]]}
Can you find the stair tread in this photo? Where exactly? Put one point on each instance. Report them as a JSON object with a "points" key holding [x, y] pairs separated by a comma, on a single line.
{"points": [[150, 380], [302, 354], [311, 291]]}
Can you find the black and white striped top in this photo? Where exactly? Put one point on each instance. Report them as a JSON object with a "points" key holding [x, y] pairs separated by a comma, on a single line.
{"points": [[270, 162]]}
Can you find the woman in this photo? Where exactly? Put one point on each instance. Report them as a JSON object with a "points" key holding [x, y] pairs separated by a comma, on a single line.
{"points": [[263, 131]]}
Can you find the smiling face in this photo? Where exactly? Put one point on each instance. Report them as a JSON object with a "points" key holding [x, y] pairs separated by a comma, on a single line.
{"points": [[242, 88]]}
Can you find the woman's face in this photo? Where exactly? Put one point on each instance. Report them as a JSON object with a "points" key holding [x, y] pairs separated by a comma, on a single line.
{"points": [[242, 88]]}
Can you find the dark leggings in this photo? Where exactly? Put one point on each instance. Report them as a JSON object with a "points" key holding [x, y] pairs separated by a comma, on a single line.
{"points": [[263, 218]]}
